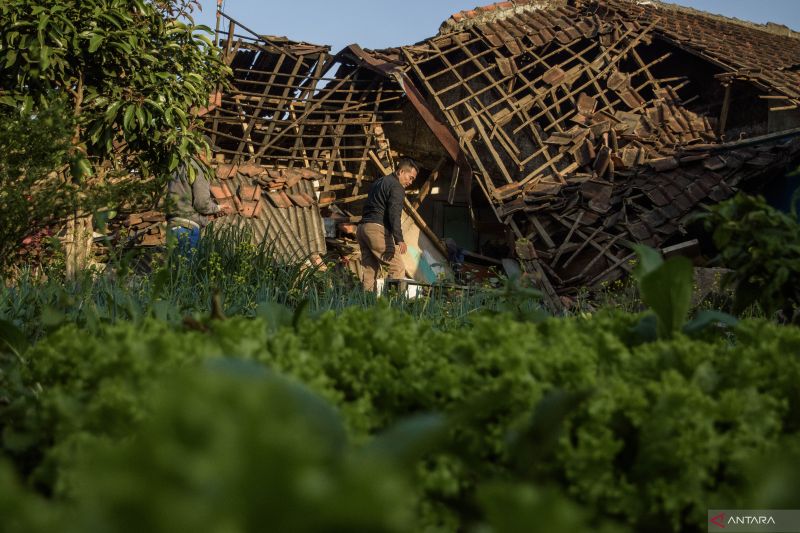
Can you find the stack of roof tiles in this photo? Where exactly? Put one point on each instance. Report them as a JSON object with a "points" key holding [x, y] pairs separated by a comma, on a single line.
{"points": [[253, 184]]}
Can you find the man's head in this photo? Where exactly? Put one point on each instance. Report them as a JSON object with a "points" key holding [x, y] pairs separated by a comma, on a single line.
{"points": [[406, 171]]}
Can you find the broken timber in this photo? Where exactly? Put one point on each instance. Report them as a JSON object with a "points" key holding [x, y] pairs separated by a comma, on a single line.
{"points": [[575, 121]]}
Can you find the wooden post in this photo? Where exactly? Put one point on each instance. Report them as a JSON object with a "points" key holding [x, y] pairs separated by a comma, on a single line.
{"points": [[726, 105], [78, 244], [426, 187], [216, 28]]}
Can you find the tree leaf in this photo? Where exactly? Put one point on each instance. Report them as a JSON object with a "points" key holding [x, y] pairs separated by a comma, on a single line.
{"points": [[707, 317], [128, 118], [140, 117], [44, 57], [8, 100], [409, 440], [12, 339], [649, 260], [667, 290], [11, 57], [646, 329], [94, 42], [111, 112]]}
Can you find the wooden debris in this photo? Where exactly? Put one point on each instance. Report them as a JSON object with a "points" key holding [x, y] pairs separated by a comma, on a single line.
{"points": [[574, 140]]}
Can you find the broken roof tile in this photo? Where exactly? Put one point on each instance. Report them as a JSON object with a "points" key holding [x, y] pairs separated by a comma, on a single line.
{"points": [[663, 164], [554, 76]]}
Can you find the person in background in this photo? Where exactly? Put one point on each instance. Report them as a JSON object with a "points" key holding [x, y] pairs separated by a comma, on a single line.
{"points": [[380, 235], [190, 204], [455, 256]]}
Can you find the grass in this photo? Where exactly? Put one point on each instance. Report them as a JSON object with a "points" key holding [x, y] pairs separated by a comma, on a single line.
{"points": [[245, 278]]}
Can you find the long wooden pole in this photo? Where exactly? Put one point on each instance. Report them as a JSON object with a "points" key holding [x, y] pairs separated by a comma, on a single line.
{"points": [[726, 106], [219, 20]]}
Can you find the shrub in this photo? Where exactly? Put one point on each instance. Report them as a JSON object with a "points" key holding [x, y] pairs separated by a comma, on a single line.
{"points": [[762, 246], [644, 433]]}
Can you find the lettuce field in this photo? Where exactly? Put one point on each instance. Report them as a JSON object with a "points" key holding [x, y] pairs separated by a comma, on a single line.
{"points": [[151, 409]]}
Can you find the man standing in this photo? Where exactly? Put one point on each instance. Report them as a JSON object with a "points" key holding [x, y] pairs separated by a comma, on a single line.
{"points": [[380, 235], [190, 204]]}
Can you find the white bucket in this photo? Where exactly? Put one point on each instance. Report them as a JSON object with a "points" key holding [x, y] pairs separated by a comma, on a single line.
{"points": [[412, 289]]}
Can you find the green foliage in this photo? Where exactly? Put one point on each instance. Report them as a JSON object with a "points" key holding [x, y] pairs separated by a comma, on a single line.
{"points": [[249, 279], [31, 195], [226, 448], [762, 246], [666, 287], [95, 102], [228, 451], [538, 414], [128, 71], [524, 508]]}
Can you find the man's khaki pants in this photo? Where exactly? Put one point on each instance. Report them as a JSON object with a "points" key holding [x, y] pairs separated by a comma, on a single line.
{"points": [[377, 250]]}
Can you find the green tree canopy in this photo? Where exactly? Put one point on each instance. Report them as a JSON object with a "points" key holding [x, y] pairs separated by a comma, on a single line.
{"points": [[124, 77], [129, 71]]}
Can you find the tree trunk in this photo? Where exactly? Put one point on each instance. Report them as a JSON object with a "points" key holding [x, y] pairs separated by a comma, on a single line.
{"points": [[78, 244]]}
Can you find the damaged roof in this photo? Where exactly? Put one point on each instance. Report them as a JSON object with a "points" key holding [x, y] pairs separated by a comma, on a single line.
{"points": [[584, 133], [580, 140], [769, 53]]}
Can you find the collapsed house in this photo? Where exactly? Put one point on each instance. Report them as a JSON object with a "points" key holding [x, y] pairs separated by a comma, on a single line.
{"points": [[558, 132]]}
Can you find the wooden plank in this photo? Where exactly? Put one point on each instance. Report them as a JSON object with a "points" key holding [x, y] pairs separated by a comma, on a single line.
{"points": [[350, 199], [451, 193], [529, 66], [483, 180], [315, 105], [279, 64], [602, 253], [384, 171], [488, 143], [541, 231], [426, 187], [612, 63], [532, 266], [423, 226], [615, 264], [586, 242], [567, 238], [726, 106]]}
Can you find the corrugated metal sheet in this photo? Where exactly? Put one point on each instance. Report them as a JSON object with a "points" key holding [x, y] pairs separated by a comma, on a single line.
{"points": [[307, 221], [296, 233]]}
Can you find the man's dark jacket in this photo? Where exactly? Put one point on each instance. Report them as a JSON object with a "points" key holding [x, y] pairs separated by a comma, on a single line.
{"points": [[385, 204]]}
